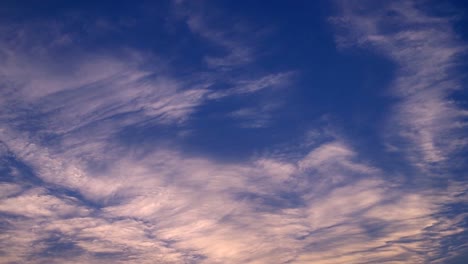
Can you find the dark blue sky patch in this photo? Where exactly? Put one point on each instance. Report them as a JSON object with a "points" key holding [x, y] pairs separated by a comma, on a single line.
{"points": [[58, 246], [272, 202], [111, 255], [374, 228], [459, 259], [13, 170], [7, 221]]}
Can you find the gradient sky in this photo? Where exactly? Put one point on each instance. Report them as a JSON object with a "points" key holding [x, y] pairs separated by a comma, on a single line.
{"points": [[233, 132]]}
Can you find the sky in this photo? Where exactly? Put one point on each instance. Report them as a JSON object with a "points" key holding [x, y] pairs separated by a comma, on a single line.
{"points": [[212, 132]]}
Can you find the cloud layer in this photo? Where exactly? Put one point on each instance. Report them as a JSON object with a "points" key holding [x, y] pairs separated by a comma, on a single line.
{"points": [[73, 190]]}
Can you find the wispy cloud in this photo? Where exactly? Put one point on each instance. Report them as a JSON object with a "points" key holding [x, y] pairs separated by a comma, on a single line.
{"points": [[79, 195], [201, 20], [326, 207], [247, 86], [237, 43], [426, 123], [100, 89]]}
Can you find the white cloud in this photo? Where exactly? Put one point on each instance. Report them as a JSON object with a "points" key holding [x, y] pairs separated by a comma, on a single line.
{"points": [[324, 207], [8, 189], [161, 205], [37, 203], [425, 49], [68, 93]]}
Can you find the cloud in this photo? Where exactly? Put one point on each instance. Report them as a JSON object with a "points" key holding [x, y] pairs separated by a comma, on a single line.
{"points": [[255, 117], [36, 203], [261, 113], [325, 207], [95, 199], [115, 92], [237, 52], [235, 40], [426, 123], [235, 44], [248, 86]]}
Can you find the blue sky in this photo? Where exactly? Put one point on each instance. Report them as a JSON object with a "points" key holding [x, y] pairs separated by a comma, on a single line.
{"points": [[233, 132]]}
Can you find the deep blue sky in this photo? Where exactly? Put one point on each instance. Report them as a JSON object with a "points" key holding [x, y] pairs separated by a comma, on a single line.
{"points": [[233, 131]]}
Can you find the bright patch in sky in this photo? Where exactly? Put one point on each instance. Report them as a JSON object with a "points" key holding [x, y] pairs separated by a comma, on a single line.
{"points": [[233, 132]]}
